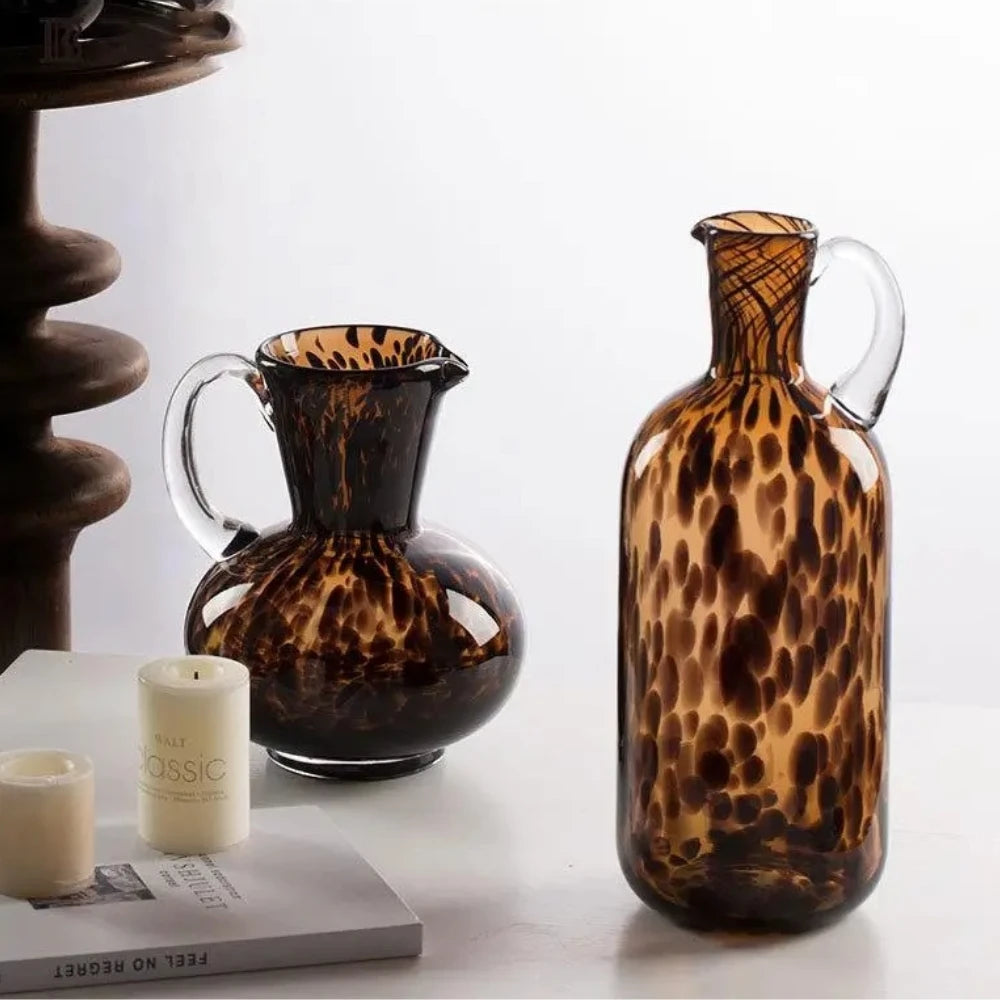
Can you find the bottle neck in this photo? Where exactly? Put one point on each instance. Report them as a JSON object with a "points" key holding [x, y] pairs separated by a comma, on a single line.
{"points": [[354, 453], [758, 286]]}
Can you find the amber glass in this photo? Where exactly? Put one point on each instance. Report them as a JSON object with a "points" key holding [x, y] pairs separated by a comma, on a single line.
{"points": [[753, 629], [372, 641]]}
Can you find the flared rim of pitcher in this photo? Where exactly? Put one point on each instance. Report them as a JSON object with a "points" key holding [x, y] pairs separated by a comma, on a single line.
{"points": [[360, 350]]}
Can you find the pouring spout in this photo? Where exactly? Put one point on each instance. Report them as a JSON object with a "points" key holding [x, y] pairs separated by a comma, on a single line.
{"points": [[448, 371], [453, 371]]}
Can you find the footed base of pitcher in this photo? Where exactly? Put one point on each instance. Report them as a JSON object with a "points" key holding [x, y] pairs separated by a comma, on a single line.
{"points": [[355, 770]]}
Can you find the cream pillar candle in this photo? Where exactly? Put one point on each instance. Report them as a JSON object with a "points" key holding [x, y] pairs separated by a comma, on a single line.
{"points": [[194, 754], [46, 823]]}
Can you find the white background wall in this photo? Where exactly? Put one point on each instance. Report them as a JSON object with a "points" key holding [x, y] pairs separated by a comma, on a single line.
{"points": [[520, 178]]}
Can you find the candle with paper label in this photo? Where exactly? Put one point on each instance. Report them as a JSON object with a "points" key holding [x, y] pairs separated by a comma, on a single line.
{"points": [[46, 823], [194, 754]]}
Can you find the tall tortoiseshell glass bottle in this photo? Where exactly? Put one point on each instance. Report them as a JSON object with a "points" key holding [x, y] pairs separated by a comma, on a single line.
{"points": [[754, 606]]}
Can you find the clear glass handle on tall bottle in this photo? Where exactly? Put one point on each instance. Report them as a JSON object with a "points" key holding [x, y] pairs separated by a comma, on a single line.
{"points": [[218, 534], [861, 390]]}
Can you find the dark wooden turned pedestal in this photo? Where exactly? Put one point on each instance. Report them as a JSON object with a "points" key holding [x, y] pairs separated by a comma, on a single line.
{"points": [[50, 487]]}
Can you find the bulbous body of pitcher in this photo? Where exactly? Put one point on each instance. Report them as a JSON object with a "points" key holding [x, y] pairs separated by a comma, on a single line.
{"points": [[372, 641], [754, 614]]}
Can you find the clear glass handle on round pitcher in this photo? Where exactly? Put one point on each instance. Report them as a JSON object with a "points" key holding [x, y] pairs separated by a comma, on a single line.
{"points": [[861, 390], [217, 533]]}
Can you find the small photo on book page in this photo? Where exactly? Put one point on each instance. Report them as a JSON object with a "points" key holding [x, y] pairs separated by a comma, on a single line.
{"points": [[112, 884]]}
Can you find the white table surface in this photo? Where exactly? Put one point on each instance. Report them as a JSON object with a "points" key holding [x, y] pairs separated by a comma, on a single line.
{"points": [[506, 850]]}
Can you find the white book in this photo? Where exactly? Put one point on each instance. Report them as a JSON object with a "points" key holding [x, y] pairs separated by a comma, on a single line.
{"points": [[296, 893]]}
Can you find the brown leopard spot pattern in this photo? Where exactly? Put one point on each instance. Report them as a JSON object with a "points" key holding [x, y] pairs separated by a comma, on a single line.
{"points": [[753, 620], [361, 646], [367, 636]]}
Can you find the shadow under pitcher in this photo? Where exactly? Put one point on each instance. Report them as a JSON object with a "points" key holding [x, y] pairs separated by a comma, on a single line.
{"points": [[372, 641], [754, 606]]}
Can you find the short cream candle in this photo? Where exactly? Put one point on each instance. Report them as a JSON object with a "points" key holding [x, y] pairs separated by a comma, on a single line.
{"points": [[194, 754], [46, 823]]}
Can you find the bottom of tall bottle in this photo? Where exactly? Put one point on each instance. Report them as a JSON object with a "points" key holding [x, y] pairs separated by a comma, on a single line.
{"points": [[759, 896]]}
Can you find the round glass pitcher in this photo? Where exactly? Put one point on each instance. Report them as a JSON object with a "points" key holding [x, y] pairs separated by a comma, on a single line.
{"points": [[372, 641]]}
